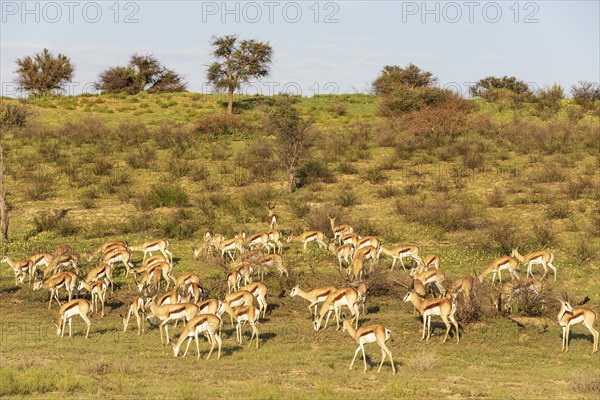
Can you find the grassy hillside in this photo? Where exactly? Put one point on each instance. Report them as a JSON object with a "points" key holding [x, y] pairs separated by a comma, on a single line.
{"points": [[171, 166]]}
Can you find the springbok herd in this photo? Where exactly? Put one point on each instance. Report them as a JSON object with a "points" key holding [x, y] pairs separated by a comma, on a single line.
{"points": [[247, 254]]}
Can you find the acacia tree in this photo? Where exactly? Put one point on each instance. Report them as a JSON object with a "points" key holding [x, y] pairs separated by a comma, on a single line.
{"points": [[487, 87], [393, 77], [144, 72], [237, 63], [44, 73], [292, 137]]}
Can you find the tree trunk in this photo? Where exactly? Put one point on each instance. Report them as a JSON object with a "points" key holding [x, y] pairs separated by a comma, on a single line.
{"points": [[292, 182], [230, 102], [3, 205]]}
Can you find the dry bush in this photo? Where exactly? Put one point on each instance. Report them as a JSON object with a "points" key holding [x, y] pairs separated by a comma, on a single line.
{"points": [[317, 219], [558, 210], [501, 236], [85, 131], [440, 212], [439, 122], [259, 159], [54, 221], [131, 134], [575, 189], [584, 251], [388, 191], [13, 114], [380, 280], [215, 125], [544, 235], [142, 157], [375, 175], [424, 360], [585, 383]]}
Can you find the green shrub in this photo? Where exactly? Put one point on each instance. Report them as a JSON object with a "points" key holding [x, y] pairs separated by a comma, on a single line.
{"points": [[54, 221], [164, 195], [314, 171], [13, 114]]}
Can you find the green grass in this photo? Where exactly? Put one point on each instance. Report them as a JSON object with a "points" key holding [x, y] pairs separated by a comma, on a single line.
{"points": [[443, 191]]}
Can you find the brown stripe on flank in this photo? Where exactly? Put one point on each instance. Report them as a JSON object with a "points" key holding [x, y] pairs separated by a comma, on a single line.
{"points": [[325, 293], [238, 297], [177, 310], [433, 305], [367, 332], [71, 306], [339, 296], [576, 314]]}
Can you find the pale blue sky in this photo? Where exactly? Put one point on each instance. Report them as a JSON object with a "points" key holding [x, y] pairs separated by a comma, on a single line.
{"points": [[343, 56]]}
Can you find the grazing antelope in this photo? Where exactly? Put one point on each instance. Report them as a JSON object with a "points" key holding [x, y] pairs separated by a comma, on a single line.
{"points": [[103, 270], [217, 307], [258, 239], [97, 291], [443, 307], [119, 255], [210, 244], [362, 295], [245, 314], [238, 299], [569, 316], [229, 247], [369, 241], [275, 237], [195, 291], [338, 230], [170, 312], [462, 285], [20, 267], [63, 249], [271, 260], [172, 297], [360, 256], [106, 248], [428, 262], [155, 272], [538, 257], [155, 245], [246, 270], [402, 252], [39, 260], [307, 237], [66, 279], [335, 301], [148, 262], [61, 261], [234, 279], [258, 290], [350, 238], [498, 265], [136, 307], [420, 290], [435, 276], [273, 218], [370, 334], [343, 252], [186, 279], [70, 309], [314, 296], [209, 325]]}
